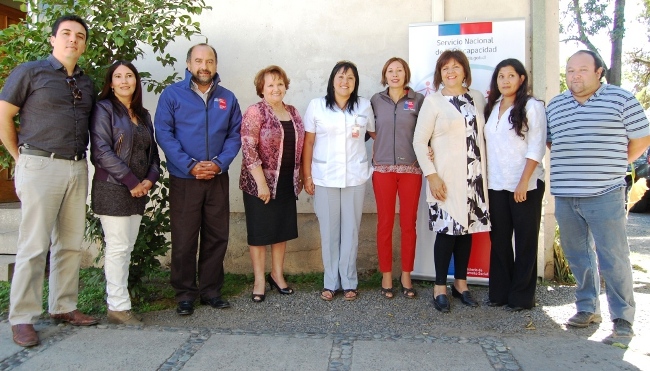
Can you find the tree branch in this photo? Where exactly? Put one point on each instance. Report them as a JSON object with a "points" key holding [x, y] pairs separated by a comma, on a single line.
{"points": [[582, 34]]}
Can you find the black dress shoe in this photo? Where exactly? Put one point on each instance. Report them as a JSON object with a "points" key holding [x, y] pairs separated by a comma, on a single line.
{"points": [[285, 291], [466, 297], [216, 302], [441, 303], [258, 298], [490, 303], [185, 308]]}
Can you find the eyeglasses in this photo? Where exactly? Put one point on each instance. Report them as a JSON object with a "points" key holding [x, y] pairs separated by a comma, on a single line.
{"points": [[72, 83]]}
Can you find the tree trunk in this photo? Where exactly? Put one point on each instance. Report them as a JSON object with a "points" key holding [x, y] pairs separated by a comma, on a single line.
{"points": [[618, 31]]}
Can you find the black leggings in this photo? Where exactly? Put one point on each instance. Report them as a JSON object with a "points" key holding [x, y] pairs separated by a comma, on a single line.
{"points": [[445, 245]]}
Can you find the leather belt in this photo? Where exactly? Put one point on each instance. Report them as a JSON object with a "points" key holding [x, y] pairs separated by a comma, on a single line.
{"points": [[37, 152]]}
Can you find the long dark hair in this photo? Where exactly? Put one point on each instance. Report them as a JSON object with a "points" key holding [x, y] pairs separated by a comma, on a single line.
{"points": [[330, 100], [136, 101], [518, 117]]}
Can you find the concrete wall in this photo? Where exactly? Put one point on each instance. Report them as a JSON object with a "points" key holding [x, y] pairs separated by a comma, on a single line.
{"points": [[545, 76], [307, 38]]}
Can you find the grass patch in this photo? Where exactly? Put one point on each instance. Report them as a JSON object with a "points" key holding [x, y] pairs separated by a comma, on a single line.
{"points": [[157, 294], [92, 291], [370, 280], [5, 287]]}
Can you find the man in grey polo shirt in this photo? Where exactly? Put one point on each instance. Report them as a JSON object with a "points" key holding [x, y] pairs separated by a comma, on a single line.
{"points": [[54, 99], [594, 131]]}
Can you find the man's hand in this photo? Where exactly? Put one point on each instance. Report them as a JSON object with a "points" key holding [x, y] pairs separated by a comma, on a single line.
{"points": [[8, 135], [205, 170]]}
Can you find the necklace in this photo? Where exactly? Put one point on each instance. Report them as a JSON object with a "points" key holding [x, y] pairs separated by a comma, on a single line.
{"points": [[281, 113], [445, 91]]}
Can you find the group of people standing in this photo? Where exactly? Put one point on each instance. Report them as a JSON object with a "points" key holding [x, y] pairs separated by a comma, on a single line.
{"points": [[481, 160]]}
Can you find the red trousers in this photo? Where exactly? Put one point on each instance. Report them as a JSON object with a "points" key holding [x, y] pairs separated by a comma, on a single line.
{"points": [[386, 187]]}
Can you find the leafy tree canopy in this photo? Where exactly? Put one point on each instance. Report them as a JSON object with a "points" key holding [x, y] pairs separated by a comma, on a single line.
{"points": [[584, 19], [640, 60], [119, 29]]}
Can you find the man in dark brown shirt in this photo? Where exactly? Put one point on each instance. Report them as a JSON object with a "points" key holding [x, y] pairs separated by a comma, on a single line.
{"points": [[54, 99]]}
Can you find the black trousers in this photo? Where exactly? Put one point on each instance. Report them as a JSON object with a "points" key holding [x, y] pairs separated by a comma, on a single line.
{"points": [[443, 248], [198, 207], [513, 274]]}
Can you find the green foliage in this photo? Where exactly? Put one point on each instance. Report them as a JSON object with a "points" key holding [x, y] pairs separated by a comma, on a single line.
{"points": [[640, 61], [119, 29], [92, 291], [563, 85], [581, 20], [152, 242], [562, 271], [5, 288], [591, 16]]}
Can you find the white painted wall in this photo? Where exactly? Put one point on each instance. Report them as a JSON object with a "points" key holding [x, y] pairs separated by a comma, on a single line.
{"points": [[307, 38]]}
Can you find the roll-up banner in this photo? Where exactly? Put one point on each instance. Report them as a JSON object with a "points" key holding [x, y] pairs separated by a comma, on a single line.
{"points": [[485, 44]]}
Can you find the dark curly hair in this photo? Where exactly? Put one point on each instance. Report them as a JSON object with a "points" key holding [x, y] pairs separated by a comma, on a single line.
{"points": [[518, 117]]}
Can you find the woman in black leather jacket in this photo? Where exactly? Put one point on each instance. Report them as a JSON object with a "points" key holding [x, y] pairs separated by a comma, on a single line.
{"points": [[127, 165]]}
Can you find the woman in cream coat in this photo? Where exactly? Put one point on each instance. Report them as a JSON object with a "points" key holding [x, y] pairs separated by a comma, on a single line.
{"points": [[451, 121]]}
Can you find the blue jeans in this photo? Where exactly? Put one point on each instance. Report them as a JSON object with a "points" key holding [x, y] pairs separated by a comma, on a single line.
{"points": [[592, 232]]}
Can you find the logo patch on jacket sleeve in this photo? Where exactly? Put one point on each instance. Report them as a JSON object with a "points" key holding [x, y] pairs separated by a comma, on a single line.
{"points": [[409, 105], [222, 103]]}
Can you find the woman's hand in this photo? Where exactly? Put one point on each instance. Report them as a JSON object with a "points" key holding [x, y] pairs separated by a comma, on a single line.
{"points": [[309, 185], [139, 190], [437, 187], [522, 187], [521, 191], [263, 192], [147, 184]]}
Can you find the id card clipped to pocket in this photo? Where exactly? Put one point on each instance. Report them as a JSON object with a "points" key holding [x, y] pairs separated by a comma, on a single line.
{"points": [[356, 129]]}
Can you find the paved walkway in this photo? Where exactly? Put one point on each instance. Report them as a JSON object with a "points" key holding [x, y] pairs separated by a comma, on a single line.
{"points": [[110, 347], [285, 341]]}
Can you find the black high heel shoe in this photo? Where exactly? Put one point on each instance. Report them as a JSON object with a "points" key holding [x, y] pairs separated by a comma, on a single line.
{"points": [[465, 297], [258, 298], [285, 291]]}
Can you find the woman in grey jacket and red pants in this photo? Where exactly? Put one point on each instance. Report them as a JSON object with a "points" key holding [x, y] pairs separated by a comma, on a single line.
{"points": [[127, 165], [396, 171]]}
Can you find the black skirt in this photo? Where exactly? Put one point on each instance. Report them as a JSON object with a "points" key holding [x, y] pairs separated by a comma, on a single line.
{"points": [[276, 221]]}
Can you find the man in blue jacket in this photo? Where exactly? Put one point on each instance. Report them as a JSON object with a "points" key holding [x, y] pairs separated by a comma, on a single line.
{"points": [[197, 126]]}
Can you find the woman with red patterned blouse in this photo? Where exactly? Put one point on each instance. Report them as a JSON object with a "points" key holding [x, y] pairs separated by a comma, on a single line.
{"points": [[272, 135]]}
